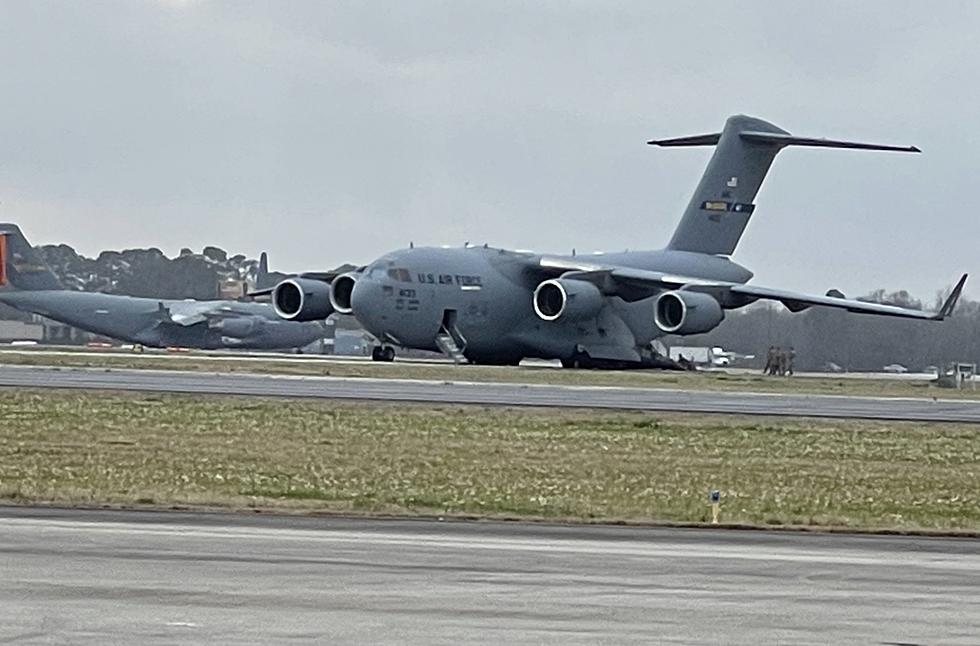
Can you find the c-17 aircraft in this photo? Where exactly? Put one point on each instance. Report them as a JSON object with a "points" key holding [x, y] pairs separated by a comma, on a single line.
{"points": [[27, 284], [495, 306]]}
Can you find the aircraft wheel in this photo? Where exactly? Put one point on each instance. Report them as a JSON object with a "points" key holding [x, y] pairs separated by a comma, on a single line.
{"points": [[578, 360], [384, 353]]}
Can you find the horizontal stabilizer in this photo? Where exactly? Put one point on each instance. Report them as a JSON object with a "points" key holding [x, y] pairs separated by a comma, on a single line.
{"points": [[780, 139], [694, 140], [724, 200]]}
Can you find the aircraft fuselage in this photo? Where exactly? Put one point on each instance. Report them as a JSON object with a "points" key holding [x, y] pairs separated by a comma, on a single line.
{"points": [[145, 320], [406, 297]]}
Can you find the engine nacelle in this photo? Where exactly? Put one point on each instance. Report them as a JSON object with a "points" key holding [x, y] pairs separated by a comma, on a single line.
{"points": [[567, 298], [238, 328], [340, 292], [302, 299], [687, 312]]}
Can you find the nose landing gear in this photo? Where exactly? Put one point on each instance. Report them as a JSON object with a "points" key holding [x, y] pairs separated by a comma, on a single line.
{"points": [[384, 353]]}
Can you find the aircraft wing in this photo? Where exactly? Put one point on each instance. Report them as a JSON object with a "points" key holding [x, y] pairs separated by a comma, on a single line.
{"points": [[322, 276], [188, 313], [634, 284], [796, 302]]}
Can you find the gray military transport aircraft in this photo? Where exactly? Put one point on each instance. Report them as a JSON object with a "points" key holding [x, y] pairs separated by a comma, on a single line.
{"points": [[27, 284], [495, 306]]}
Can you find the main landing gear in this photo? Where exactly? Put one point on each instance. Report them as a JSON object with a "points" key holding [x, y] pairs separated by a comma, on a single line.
{"points": [[579, 359], [384, 353]]}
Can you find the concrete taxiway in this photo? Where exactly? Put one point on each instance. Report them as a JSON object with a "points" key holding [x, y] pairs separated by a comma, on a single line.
{"points": [[100, 577], [461, 392]]}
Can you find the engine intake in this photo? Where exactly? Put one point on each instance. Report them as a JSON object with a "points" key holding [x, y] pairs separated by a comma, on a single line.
{"points": [[340, 292], [687, 312], [573, 300], [302, 299]]}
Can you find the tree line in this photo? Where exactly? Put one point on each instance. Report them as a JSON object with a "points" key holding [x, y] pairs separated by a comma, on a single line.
{"points": [[856, 342]]}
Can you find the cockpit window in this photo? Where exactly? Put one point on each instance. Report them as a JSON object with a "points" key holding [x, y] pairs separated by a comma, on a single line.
{"points": [[400, 274], [376, 271]]}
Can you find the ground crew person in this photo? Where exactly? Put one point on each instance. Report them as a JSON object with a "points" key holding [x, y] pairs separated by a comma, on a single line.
{"points": [[777, 362], [770, 360]]}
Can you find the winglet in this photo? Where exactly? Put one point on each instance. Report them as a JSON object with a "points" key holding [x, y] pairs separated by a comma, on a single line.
{"points": [[954, 297]]}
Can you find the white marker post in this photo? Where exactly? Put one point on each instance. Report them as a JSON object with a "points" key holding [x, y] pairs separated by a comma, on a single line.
{"points": [[714, 499]]}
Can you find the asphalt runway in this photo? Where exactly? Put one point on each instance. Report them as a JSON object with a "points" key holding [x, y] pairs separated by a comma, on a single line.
{"points": [[461, 392], [102, 577], [284, 358]]}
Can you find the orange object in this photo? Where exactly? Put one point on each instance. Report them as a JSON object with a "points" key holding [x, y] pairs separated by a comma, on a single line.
{"points": [[3, 260]]}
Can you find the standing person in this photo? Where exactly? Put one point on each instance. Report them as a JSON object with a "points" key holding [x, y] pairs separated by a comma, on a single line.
{"points": [[775, 361], [790, 358], [770, 360], [780, 362]]}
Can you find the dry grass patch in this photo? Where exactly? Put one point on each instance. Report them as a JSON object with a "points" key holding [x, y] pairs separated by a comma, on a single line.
{"points": [[127, 448]]}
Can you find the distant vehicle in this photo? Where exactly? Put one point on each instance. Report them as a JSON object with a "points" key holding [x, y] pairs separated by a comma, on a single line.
{"points": [[715, 356], [497, 306], [698, 355], [895, 368], [830, 366], [27, 284], [721, 358]]}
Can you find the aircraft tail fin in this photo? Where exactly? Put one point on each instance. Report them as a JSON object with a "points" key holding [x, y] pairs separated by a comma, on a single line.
{"points": [[722, 204], [21, 266], [263, 279]]}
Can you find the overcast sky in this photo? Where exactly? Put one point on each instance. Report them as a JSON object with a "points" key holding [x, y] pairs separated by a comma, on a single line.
{"points": [[331, 132]]}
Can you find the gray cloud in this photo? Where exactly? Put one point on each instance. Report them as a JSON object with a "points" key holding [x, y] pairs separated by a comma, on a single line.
{"points": [[327, 132]]}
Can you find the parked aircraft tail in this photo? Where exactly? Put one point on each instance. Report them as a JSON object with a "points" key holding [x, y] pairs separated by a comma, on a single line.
{"points": [[263, 280], [723, 201], [21, 267]]}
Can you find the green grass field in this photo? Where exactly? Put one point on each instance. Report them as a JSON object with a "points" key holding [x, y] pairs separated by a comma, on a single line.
{"points": [[533, 375], [105, 448]]}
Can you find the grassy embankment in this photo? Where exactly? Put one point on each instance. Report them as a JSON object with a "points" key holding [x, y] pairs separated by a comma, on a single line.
{"points": [[532, 375], [95, 448]]}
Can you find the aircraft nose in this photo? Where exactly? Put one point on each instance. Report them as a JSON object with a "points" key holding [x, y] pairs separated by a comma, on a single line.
{"points": [[365, 301]]}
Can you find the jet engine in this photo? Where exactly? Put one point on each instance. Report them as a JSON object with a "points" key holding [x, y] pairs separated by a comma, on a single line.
{"points": [[340, 292], [237, 328], [573, 300], [302, 299], [686, 312]]}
